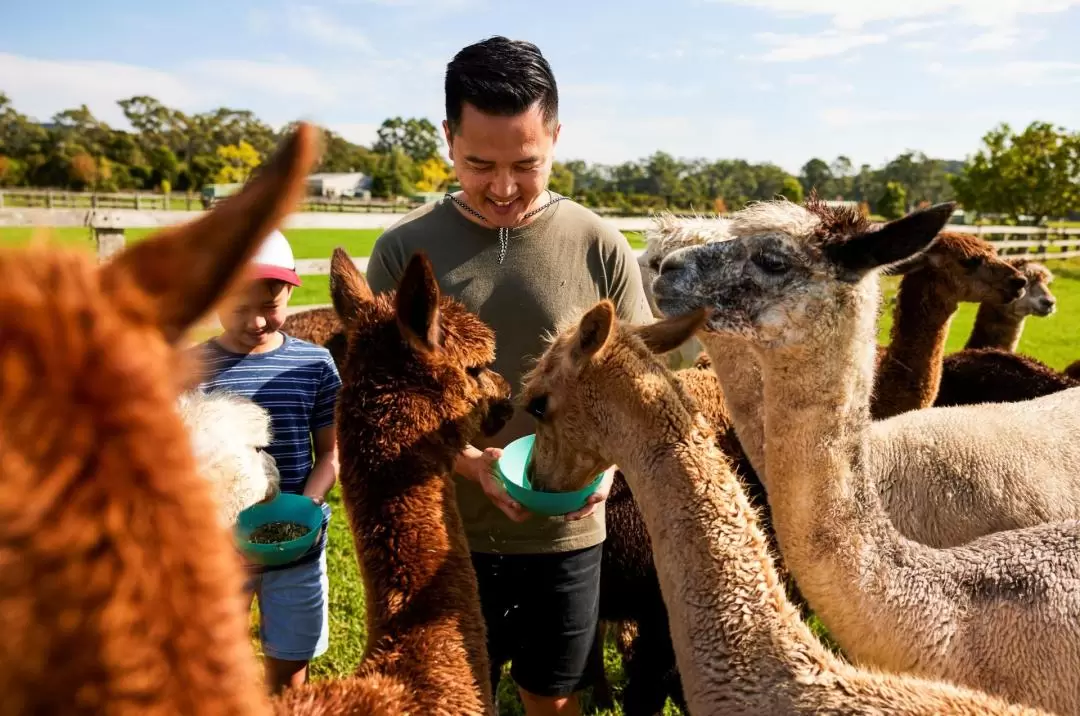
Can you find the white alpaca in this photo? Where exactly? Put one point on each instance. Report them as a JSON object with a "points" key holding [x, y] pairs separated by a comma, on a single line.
{"points": [[228, 435]]}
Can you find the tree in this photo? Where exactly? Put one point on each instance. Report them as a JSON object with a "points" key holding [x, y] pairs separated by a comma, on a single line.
{"points": [[792, 189], [893, 202], [83, 170], [816, 175], [238, 161], [435, 174], [418, 138], [562, 179], [393, 174], [1034, 173]]}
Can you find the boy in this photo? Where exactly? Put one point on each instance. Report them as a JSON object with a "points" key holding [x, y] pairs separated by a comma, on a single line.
{"points": [[297, 382]]}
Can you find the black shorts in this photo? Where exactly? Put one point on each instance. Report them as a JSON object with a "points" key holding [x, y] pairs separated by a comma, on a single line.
{"points": [[541, 612]]}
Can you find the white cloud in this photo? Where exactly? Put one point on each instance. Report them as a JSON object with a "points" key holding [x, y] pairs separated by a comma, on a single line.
{"points": [[829, 43], [224, 80], [847, 117], [320, 27], [1002, 38], [1017, 73], [853, 14], [825, 85], [613, 140], [357, 132], [40, 88]]}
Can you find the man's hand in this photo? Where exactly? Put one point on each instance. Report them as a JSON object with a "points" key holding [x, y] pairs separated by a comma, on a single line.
{"points": [[472, 464], [595, 498]]}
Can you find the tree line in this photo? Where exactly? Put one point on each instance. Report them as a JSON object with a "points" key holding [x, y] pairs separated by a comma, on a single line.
{"points": [[1033, 173]]}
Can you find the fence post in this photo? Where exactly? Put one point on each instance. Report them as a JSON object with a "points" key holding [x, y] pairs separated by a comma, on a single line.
{"points": [[108, 233], [1, 200], [138, 201]]}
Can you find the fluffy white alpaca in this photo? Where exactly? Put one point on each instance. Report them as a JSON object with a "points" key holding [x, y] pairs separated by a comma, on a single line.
{"points": [[228, 433]]}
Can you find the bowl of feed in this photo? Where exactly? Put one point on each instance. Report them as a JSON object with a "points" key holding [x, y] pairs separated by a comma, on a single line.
{"points": [[512, 468], [279, 531]]}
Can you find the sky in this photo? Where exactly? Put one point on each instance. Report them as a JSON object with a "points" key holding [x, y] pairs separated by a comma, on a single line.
{"points": [[763, 80]]}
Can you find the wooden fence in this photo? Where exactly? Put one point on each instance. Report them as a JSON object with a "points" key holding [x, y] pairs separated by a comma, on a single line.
{"points": [[153, 201]]}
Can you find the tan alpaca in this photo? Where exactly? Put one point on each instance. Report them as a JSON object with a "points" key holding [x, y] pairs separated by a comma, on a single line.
{"points": [[958, 475], [1000, 326], [1001, 614], [740, 645], [956, 268]]}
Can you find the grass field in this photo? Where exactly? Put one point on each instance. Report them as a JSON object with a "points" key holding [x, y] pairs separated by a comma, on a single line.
{"points": [[1055, 340]]}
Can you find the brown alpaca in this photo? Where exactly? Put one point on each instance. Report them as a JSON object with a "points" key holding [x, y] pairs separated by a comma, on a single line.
{"points": [[120, 592], [999, 325], [999, 613], [417, 386], [988, 370], [320, 326], [741, 646], [957, 267]]}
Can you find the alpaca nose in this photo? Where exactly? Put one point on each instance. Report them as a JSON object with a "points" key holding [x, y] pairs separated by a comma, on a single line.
{"points": [[1047, 304], [673, 262]]}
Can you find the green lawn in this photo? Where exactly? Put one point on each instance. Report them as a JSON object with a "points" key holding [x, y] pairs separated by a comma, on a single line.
{"points": [[1055, 340]]}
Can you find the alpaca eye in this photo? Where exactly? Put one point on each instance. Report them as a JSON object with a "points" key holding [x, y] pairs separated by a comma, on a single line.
{"points": [[971, 263], [474, 371], [537, 407], [770, 263]]}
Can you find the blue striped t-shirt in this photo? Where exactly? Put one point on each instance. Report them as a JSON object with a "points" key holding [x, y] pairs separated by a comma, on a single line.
{"points": [[298, 384]]}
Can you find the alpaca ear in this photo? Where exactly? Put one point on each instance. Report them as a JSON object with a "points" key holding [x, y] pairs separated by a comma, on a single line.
{"points": [[183, 271], [417, 304], [348, 287], [594, 330], [670, 333], [899, 240]]}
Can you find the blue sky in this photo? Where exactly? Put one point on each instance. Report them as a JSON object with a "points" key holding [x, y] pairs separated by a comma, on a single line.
{"points": [[763, 80]]}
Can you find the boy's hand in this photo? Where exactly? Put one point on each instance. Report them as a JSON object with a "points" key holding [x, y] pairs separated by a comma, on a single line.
{"points": [[479, 467]]}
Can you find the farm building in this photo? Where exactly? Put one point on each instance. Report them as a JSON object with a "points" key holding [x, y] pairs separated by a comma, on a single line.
{"points": [[329, 184]]}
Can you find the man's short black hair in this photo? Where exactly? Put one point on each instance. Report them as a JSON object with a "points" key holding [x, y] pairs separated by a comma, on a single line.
{"points": [[500, 77]]}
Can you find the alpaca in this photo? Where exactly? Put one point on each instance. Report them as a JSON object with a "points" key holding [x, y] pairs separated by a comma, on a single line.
{"points": [[950, 487], [629, 590], [320, 326], [416, 387], [956, 267], [799, 284], [1000, 325], [741, 646], [993, 375], [120, 591], [1073, 370], [228, 435]]}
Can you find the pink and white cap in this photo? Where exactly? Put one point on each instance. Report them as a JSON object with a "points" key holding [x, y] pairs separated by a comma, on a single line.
{"points": [[275, 260]]}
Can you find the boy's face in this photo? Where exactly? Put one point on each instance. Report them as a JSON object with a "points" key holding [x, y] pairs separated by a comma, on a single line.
{"points": [[254, 313]]}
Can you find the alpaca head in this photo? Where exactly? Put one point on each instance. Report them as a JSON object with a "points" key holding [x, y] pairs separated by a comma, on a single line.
{"points": [[424, 354], [669, 233], [967, 268], [229, 434], [591, 385], [1037, 300], [788, 273]]}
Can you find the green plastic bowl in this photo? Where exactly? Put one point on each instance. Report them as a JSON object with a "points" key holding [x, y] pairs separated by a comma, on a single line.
{"points": [[511, 468], [286, 507]]}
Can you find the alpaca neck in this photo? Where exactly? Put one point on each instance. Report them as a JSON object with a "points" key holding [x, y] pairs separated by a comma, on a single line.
{"points": [[825, 507], [910, 373], [995, 327], [419, 582], [700, 523], [739, 372]]}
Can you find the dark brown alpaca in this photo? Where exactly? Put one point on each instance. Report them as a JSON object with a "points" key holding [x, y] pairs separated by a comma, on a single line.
{"points": [[119, 591], [957, 267], [416, 388]]}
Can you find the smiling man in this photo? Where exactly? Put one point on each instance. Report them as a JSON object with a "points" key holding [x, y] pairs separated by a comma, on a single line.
{"points": [[527, 261]]}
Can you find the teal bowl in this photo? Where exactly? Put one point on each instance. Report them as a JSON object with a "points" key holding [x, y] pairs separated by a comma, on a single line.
{"points": [[511, 469], [286, 507]]}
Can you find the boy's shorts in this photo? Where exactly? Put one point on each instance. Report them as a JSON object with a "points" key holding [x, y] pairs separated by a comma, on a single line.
{"points": [[294, 610], [541, 612]]}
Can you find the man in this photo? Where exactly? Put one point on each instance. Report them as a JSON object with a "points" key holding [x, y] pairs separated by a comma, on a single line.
{"points": [[526, 261]]}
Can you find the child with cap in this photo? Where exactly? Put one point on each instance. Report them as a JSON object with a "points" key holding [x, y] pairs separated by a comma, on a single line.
{"points": [[297, 382]]}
